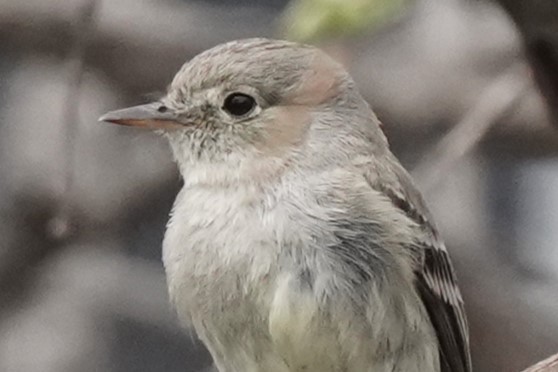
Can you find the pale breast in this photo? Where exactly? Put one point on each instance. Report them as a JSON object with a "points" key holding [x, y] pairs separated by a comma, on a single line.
{"points": [[217, 244], [220, 254]]}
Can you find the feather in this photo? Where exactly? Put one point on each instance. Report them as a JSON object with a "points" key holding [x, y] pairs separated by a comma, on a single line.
{"points": [[435, 279]]}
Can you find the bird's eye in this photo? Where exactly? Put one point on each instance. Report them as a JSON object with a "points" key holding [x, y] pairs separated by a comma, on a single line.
{"points": [[239, 104]]}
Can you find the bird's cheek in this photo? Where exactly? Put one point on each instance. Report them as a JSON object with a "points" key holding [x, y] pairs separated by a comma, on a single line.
{"points": [[285, 129]]}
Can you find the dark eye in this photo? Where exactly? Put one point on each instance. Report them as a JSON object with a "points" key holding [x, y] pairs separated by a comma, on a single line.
{"points": [[239, 104]]}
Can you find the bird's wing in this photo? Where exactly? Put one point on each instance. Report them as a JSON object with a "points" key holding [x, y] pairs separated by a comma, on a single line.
{"points": [[435, 278], [439, 292]]}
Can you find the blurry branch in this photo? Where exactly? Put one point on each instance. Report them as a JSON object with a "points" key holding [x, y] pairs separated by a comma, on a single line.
{"points": [[537, 22], [60, 224], [548, 365], [43, 222], [493, 103]]}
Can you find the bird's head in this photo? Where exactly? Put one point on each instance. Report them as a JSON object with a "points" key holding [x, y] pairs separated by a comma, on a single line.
{"points": [[243, 99]]}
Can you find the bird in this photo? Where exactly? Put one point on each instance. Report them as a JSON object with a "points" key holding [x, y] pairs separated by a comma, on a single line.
{"points": [[298, 241]]}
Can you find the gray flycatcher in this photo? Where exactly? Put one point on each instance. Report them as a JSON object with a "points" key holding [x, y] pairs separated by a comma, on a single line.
{"points": [[298, 242]]}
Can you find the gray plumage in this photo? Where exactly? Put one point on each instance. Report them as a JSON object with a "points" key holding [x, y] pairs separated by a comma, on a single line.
{"points": [[298, 242]]}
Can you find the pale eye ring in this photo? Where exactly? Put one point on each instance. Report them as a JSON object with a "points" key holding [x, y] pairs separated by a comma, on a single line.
{"points": [[239, 104]]}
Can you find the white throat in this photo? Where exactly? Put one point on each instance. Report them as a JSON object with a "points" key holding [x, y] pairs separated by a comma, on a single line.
{"points": [[231, 169]]}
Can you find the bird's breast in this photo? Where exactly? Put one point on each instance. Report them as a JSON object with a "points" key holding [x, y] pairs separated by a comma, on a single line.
{"points": [[220, 250]]}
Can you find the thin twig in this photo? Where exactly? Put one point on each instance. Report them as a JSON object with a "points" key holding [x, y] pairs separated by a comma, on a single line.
{"points": [[493, 103], [59, 226]]}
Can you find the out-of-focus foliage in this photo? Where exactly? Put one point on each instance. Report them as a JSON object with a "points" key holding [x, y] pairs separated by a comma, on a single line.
{"points": [[311, 20]]}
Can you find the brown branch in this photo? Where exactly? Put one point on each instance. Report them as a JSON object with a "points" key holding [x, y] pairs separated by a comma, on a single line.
{"points": [[548, 365]]}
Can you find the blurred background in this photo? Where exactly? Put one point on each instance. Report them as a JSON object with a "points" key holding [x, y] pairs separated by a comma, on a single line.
{"points": [[467, 91]]}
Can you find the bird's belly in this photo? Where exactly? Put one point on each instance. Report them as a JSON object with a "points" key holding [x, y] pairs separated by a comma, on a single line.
{"points": [[294, 333]]}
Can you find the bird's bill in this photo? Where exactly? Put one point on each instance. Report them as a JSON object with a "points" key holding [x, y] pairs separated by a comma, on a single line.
{"points": [[152, 116]]}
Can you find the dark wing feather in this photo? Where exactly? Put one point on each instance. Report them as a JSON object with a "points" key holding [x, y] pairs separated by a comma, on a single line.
{"points": [[437, 287], [435, 278]]}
